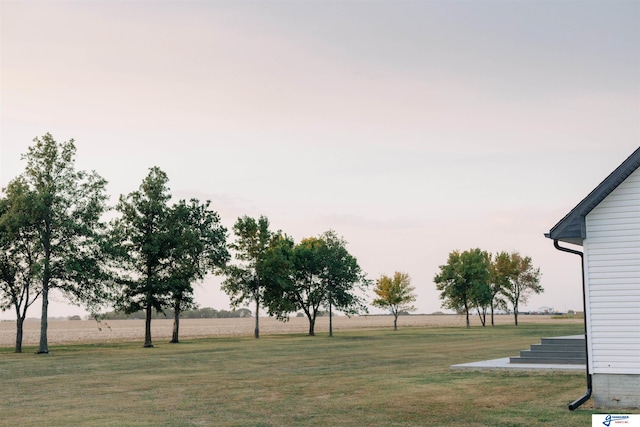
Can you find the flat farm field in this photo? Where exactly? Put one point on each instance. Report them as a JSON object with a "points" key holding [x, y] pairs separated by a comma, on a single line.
{"points": [[90, 331]]}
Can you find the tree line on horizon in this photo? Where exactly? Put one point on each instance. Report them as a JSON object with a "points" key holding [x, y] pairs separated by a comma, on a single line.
{"points": [[54, 236], [194, 313]]}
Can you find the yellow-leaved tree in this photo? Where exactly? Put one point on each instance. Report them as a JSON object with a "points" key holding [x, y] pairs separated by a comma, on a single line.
{"points": [[395, 294]]}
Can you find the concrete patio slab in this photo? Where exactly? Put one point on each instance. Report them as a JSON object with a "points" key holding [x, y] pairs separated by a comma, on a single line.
{"points": [[504, 364]]}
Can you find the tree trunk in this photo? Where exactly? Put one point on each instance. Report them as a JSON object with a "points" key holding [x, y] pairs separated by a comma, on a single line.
{"points": [[466, 312], [395, 321], [312, 323], [147, 327], [256, 330], [480, 316], [46, 278], [330, 319], [176, 325], [19, 331], [44, 348], [492, 324], [515, 312]]}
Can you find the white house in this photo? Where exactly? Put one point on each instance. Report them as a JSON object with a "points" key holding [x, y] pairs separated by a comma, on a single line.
{"points": [[607, 226]]}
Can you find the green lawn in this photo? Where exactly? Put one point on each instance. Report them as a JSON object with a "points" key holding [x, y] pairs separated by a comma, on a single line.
{"points": [[359, 378]]}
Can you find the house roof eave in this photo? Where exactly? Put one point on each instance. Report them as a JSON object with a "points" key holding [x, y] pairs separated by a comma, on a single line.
{"points": [[571, 228]]}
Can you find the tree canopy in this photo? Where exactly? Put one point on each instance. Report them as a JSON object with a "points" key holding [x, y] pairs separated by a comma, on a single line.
{"points": [[144, 247], [477, 279], [316, 273], [199, 247], [247, 280], [395, 294], [520, 280], [499, 272], [462, 279], [161, 250], [66, 219], [20, 259]]}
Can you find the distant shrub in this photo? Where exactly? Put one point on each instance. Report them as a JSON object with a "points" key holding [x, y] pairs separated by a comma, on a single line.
{"points": [[568, 316]]}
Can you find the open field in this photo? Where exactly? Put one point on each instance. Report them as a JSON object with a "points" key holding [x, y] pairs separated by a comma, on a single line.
{"points": [[67, 332], [364, 376]]}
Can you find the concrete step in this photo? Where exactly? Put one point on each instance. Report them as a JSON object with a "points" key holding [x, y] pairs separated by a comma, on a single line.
{"points": [[547, 361], [556, 350], [577, 341], [543, 352]]}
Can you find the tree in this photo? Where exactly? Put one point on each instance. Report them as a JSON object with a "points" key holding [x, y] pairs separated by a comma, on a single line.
{"points": [[200, 248], [307, 290], [144, 248], [316, 273], [279, 267], [500, 269], [245, 281], [19, 256], [68, 231], [522, 280], [395, 294], [162, 250], [460, 277], [482, 293], [343, 277], [481, 299]]}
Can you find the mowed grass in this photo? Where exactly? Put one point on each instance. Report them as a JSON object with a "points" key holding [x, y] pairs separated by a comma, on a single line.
{"points": [[356, 378]]}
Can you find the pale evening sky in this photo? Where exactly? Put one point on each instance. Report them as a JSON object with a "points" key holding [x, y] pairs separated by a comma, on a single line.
{"points": [[410, 128]]}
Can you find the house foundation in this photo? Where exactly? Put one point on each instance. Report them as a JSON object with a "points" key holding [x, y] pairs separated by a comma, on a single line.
{"points": [[616, 390]]}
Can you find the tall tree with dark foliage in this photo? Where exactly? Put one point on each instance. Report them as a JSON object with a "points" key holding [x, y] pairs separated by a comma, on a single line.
{"points": [[67, 226]]}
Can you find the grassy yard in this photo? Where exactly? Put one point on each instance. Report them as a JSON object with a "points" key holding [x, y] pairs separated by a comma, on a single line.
{"points": [[357, 378]]}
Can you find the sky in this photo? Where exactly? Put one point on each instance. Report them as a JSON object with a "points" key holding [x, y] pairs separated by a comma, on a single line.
{"points": [[411, 128]]}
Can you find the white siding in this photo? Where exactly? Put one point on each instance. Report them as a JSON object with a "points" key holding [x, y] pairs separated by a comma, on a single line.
{"points": [[612, 268]]}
